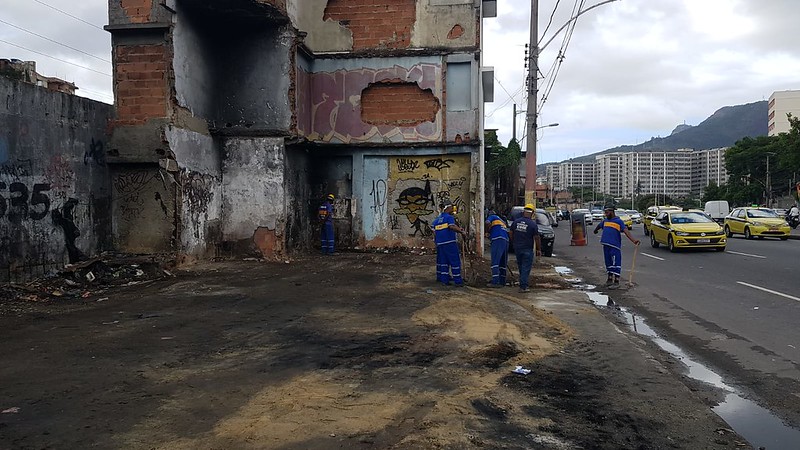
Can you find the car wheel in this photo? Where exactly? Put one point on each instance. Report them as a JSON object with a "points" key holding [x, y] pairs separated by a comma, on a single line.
{"points": [[653, 242], [720, 249], [646, 233], [728, 231], [671, 245], [747, 234], [783, 238]]}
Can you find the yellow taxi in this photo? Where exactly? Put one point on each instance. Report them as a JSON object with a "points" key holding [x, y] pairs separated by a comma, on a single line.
{"points": [[625, 217], [651, 213], [679, 229], [752, 222]]}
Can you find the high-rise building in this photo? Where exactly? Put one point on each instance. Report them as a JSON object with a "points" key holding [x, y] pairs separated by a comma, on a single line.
{"points": [[679, 173], [781, 103]]}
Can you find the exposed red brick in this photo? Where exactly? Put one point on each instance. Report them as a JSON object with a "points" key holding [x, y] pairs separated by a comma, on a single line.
{"points": [[138, 11], [267, 242], [140, 83], [401, 104], [456, 32], [375, 23]]}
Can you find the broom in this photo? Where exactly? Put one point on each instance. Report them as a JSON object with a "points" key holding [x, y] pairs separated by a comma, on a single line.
{"points": [[633, 266]]}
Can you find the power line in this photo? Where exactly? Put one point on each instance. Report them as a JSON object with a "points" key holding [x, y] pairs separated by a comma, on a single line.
{"points": [[57, 59], [54, 41], [549, 22], [70, 15]]}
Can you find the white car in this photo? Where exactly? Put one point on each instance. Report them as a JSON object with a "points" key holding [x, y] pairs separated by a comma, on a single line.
{"points": [[586, 214]]}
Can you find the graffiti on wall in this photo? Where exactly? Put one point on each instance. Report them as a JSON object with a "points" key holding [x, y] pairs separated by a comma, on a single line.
{"points": [[415, 203], [129, 188], [65, 218], [329, 110], [95, 152], [415, 188]]}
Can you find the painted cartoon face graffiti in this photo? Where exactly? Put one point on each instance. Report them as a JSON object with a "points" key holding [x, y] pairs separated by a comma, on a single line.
{"points": [[414, 203]]}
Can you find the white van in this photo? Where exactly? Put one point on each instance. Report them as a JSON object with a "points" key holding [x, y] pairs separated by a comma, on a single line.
{"points": [[717, 210]]}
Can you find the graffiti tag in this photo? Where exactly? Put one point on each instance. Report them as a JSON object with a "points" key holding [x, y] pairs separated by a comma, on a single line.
{"points": [[378, 194], [96, 153], [394, 222], [132, 182], [405, 165], [23, 204], [439, 163], [14, 171]]}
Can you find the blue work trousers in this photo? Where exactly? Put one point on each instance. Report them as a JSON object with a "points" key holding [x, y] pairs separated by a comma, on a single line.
{"points": [[499, 261], [448, 262], [613, 257], [327, 238], [525, 260]]}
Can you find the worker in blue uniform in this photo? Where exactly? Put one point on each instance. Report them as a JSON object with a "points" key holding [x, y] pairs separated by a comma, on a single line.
{"points": [[497, 232], [613, 228], [448, 260], [325, 216]]}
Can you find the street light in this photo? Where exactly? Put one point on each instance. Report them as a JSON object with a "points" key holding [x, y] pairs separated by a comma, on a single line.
{"points": [[769, 181], [533, 92]]}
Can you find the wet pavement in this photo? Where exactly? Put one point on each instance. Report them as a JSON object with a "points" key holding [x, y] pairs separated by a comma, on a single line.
{"points": [[761, 427]]}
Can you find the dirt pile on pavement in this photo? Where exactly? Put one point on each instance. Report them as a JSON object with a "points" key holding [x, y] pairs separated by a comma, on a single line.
{"points": [[351, 351]]}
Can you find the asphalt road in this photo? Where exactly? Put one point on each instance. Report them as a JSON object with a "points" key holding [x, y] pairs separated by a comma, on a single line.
{"points": [[738, 310]]}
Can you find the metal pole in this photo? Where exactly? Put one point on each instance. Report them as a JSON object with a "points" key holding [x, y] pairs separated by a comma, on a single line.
{"points": [[769, 187], [514, 124], [533, 92]]}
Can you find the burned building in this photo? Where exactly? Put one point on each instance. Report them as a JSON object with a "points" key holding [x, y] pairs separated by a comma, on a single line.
{"points": [[235, 117]]}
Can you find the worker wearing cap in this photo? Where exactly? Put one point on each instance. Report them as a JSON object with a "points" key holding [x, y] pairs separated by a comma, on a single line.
{"points": [[448, 260], [325, 215], [613, 227], [497, 232], [524, 238]]}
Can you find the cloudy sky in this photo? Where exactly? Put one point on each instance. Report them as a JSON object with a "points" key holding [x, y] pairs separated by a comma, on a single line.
{"points": [[633, 69]]}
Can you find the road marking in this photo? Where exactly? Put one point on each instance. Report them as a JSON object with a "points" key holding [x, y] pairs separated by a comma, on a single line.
{"points": [[651, 256], [747, 254], [769, 290]]}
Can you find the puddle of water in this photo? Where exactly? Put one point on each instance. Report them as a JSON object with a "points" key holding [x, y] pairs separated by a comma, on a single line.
{"points": [[758, 425]]}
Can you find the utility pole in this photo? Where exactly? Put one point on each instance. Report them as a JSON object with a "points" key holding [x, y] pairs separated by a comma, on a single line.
{"points": [[514, 124], [533, 93]]}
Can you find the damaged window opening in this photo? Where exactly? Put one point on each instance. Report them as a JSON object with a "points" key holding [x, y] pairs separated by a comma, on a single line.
{"points": [[399, 104]]}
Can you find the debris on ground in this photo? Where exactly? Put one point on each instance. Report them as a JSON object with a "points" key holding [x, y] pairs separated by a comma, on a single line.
{"points": [[89, 278]]}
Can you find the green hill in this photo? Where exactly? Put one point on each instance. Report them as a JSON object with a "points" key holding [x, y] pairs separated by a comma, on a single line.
{"points": [[722, 129]]}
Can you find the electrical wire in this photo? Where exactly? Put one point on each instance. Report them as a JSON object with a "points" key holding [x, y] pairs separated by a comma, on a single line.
{"points": [[57, 59], [70, 15], [577, 8], [549, 22], [54, 41]]}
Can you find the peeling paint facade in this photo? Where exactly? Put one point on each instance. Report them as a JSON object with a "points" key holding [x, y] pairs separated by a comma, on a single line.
{"points": [[235, 117]]}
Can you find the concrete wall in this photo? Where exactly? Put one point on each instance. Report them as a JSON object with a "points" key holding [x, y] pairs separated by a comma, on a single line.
{"points": [[253, 200], [54, 179]]}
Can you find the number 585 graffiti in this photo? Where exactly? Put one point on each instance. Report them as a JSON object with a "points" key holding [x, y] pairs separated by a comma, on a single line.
{"points": [[22, 203]]}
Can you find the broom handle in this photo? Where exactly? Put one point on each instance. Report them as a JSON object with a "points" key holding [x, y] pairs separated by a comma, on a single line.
{"points": [[633, 264]]}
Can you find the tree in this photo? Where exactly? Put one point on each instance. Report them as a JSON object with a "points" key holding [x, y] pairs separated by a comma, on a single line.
{"points": [[502, 172]]}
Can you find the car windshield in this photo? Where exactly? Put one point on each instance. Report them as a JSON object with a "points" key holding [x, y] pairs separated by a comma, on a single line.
{"points": [[761, 214], [689, 217]]}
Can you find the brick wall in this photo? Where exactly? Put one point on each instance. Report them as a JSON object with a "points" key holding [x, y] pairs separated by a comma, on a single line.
{"points": [[401, 104], [375, 23], [138, 11], [140, 82]]}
